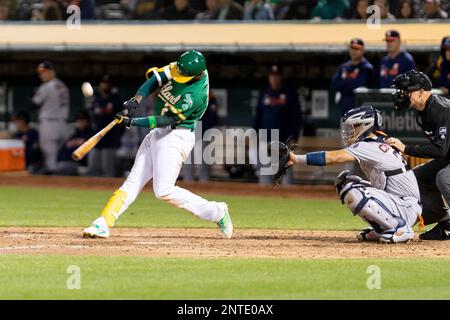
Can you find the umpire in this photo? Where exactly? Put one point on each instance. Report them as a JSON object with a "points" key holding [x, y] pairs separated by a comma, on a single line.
{"points": [[413, 90]]}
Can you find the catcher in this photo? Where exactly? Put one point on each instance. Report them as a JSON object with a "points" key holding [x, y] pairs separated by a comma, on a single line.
{"points": [[390, 202]]}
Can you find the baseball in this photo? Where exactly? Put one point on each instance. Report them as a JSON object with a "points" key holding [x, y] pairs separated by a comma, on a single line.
{"points": [[87, 89]]}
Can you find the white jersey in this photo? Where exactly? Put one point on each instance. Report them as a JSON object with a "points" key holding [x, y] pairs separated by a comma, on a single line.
{"points": [[53, 99], [376, 158]]}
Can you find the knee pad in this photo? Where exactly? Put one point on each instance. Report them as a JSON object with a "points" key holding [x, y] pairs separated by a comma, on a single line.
{"points": [[353, 198], [345, 182], [372, 210]]}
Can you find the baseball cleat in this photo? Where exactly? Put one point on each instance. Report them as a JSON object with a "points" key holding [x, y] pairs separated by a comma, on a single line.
{"points": [[368, 234], [98, 229], [399, 235], [441, 231], [225, 224]]}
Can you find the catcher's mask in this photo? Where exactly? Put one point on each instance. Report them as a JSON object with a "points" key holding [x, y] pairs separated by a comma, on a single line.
{"points": [[359, 122], [406, 83]]}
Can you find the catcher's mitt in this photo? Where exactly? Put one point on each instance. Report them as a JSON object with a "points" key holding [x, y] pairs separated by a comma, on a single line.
{"points": [[283, 158]]}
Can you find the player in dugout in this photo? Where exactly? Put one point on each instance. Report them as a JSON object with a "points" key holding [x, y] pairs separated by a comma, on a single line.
{"points": [[397, 60], [355, 73]]}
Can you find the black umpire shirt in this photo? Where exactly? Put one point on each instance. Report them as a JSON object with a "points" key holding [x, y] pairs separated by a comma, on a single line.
{"points": [[435, 122]]}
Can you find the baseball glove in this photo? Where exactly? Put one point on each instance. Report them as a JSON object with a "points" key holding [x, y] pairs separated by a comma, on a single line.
{"points": [[284, 149]]}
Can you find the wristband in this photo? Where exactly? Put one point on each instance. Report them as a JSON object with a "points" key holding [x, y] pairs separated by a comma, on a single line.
{"points": [[316, 158], [145, 122]]}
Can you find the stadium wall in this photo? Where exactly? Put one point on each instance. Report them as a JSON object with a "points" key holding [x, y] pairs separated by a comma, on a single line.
{"points": [[219, 37]]}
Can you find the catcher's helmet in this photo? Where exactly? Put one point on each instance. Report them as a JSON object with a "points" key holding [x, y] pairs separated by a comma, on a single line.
{"points": [[406, 83], [189, 65], [359, 122]]}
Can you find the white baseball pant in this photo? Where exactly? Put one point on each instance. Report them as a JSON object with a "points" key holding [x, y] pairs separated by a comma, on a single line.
{"points": [[160, 157]]}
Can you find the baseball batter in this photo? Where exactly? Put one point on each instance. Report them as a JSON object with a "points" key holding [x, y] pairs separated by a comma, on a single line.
{"points": [[390, 202], [183, 88]]}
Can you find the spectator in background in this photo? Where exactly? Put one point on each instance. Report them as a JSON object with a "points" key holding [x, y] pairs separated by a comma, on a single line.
{"points": [[4, 11], [355, 73], [397, 61], [180, 10], [129, 6], [385, 13], [330, 9], [30, 137], [280, 8], [229, 10], [433, 71], [432, 10], [66, 165], [51, 11], [53, 100], [278, 108], [211, 8], [258, 10], [361, 10], [87, 8], [102, 159], [444, 69], [148, 9], [297, 10], [406, 10]]}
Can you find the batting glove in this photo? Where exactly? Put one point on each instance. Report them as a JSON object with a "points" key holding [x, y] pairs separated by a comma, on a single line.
{"points": [[124, 120], [130, 107]]}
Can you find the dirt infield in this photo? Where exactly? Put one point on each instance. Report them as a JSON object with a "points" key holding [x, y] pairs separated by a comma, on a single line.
{"points": [[199, 243], [228, 188], [179, 242]]}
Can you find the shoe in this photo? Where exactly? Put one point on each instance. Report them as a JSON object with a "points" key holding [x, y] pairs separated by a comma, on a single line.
{"points": [[398, 235], [225, 224], [368, 234], [441, 231], [98, 229]]}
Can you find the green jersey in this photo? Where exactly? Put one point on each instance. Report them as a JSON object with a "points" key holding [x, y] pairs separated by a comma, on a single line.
{"points": [[187, 101]]}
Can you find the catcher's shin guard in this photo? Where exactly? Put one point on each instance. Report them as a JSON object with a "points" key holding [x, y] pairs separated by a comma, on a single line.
{"points": [[371, 210], [112, 209]]}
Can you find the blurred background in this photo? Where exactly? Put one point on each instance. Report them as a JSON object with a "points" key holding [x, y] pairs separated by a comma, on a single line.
{"points": [[292, 65]]}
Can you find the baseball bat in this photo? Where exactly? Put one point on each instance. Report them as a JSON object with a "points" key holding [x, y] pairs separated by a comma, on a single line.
{"points": [[92, 142]]}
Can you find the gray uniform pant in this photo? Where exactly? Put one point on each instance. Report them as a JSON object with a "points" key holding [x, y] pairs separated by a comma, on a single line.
{"points": [[434, 183], [102, 162], [52, 133], [379, 208]]}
